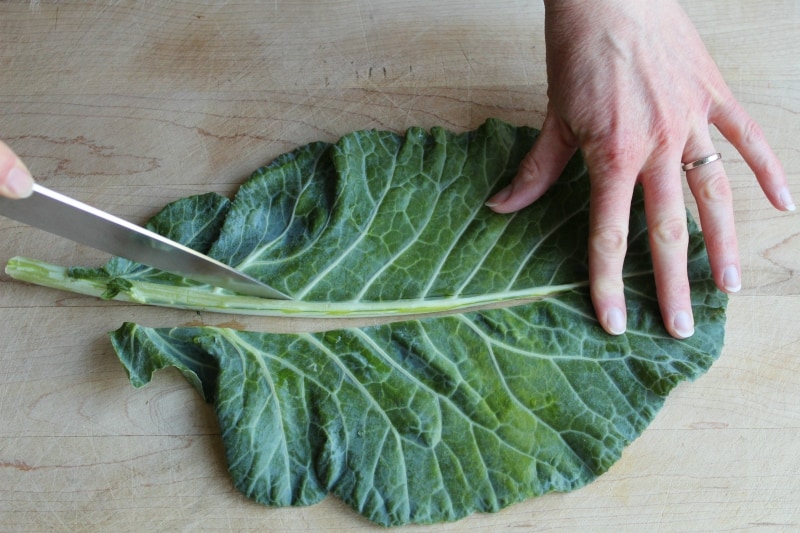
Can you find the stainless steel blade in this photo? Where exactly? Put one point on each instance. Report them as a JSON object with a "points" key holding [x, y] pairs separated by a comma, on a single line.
{"points": [[67, 217]]}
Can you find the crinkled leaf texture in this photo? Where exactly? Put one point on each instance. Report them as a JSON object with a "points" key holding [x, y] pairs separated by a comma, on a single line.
{"points": [[429, 419], [377, 224]]}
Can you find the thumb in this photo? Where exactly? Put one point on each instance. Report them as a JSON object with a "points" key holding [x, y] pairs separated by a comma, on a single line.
{"points": [[15, 178], [540, 168]]}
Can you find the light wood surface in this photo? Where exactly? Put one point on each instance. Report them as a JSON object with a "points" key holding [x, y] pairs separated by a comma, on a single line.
{"points": [[128, 105]]}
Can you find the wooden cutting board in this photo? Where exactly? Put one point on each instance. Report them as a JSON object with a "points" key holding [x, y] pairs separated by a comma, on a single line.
{"points": [[128, 105]]}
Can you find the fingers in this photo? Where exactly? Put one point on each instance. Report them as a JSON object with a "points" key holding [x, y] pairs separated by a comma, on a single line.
{"points": [[612, 188], [611, 192], [15, 179], [748, 139], [538, 170], [613, 173], [712, 192], [669, 239]]}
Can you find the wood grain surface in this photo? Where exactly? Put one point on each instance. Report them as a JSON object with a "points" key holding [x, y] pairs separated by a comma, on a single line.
{"points": [[128, 105]]}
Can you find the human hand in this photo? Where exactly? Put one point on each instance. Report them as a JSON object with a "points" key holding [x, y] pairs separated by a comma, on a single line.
{"points": [[15, 179], [632, 85]]}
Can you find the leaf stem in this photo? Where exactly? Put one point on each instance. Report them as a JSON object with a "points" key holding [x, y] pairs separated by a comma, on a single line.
{"points": [[206, 298]]}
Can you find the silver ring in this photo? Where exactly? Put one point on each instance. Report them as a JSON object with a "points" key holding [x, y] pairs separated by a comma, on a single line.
{"points": [[700, 162]]}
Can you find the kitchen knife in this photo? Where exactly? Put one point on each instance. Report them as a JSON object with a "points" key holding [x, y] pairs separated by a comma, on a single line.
{"points": [[67, 217]]}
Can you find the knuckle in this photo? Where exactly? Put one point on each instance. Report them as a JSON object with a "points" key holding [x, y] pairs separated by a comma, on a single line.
{"points": [[529, 169], [606, 287], [663, 133], [609, 241], [714, 188], [613, 155], [618, 157], [670, 232], [751, 132]]}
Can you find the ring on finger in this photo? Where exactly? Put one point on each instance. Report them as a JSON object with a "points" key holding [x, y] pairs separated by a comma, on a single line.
{"points": [[700, 162]]}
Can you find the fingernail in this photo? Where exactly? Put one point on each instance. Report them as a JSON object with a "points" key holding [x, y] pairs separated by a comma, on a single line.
{"points": [[731, 279], [19, 182], [500, 197], [786, 199], [683, 324], [615, 321]]}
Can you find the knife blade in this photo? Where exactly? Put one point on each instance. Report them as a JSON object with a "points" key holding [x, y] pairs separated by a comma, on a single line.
{"points": [[64, 216]]}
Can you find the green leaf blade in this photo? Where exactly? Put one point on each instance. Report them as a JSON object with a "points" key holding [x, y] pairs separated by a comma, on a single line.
{"points": [[429, 419]]}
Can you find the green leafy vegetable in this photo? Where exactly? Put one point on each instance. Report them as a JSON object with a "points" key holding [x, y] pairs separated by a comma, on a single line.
{"points": [[375, 225], [420, 420]]}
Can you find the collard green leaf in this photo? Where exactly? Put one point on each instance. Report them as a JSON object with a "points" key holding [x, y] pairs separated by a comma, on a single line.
{"points": [[377, 224], [400, 218], [429, 419]]}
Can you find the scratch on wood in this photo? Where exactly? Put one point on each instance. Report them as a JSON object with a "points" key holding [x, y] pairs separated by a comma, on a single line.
{"points": [[364, 31], [17, 465]]}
